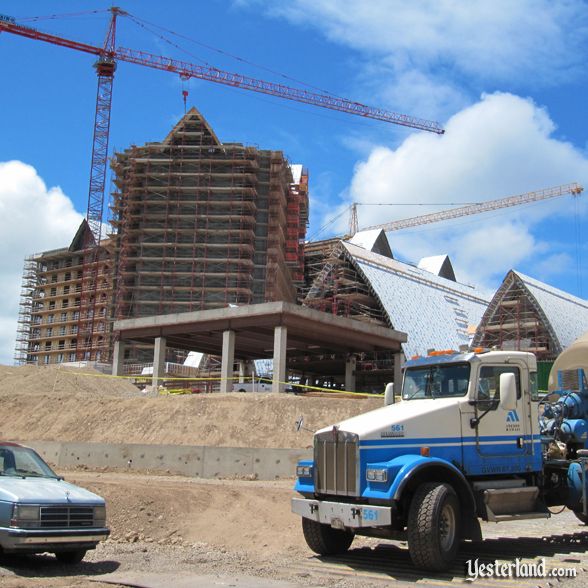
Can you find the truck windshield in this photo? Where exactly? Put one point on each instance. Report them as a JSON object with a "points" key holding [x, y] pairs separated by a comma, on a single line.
{"points": [[23, 462], [436, 381]]}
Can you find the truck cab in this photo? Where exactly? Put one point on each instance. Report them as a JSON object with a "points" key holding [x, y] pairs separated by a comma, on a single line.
{"points": [[463, 443]]}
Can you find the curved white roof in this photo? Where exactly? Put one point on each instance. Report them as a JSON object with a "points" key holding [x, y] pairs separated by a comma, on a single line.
{"points": [[436, 313], [567, 314]]}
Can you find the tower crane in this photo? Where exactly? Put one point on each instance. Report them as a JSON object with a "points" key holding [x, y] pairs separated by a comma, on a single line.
{"points": [[526, 198], [108, 55]]}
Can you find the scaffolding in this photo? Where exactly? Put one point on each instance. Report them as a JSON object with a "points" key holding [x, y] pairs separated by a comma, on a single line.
{"points": [[196, 224], [95, 289], [24, 333], [199, 224], [337, 286], [53, 306], [515, 322]]}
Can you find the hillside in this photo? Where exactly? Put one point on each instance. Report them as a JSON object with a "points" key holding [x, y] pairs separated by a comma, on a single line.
{"points": [[53, 404]]}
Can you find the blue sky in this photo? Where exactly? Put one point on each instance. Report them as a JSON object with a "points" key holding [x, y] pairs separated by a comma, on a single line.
{"points": [[506, 79]]}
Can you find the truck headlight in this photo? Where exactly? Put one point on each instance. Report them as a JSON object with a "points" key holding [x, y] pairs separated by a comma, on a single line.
{"points": [[100, 516], [24, 515], [376, 474], [304, 471]]}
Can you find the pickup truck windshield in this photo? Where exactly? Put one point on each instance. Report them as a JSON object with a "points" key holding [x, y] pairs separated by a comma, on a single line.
{"points": [[23, 462], [436, 381]]}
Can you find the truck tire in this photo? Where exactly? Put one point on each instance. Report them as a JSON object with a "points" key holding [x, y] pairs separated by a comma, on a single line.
{"points": [[325, 540], [70, 557], [434, 527]]}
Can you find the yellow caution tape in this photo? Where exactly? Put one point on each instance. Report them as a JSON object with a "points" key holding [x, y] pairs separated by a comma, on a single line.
{"points": [[149, 378]]}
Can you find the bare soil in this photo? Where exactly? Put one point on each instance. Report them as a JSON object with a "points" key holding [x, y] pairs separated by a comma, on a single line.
{"points": [[66, 404], [169, 527]]}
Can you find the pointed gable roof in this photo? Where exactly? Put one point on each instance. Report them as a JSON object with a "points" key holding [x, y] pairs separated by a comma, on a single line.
{"points": [[374, 240], [192, 122], [83, 237], [562, 316], [440, 265]]}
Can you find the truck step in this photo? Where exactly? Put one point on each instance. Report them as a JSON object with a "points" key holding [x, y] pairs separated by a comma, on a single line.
{"points": [[520, 516], [512, 502]]}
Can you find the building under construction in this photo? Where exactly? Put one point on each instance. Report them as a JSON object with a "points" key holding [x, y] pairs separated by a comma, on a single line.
{"points": [[528, 315], [65, 304], [359, 278], [197, 224], [201, 224]]}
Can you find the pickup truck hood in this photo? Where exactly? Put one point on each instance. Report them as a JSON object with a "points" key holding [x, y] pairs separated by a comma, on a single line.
{"points": [[45, 491], [409, 419]]}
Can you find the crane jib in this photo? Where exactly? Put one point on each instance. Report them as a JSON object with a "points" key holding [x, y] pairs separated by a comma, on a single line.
{"points": [[212, 74]]}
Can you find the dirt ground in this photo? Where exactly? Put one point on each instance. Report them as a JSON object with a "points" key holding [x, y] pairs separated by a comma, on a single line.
{"points": [[229, 530], [170, 527], [53, 404]]}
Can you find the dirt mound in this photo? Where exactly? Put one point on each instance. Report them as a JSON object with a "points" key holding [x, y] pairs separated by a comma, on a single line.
{"points": [[51, 404], [55, 379]]}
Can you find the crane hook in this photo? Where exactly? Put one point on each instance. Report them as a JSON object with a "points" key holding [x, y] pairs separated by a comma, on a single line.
{"points": [[184, 78]]}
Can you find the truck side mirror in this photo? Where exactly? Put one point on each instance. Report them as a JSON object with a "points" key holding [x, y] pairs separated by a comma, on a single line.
{"points": [[389, 394], [508, 392]]}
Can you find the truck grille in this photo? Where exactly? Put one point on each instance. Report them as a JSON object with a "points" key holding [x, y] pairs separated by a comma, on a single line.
{"points": [[336, 463], [67, 516]]}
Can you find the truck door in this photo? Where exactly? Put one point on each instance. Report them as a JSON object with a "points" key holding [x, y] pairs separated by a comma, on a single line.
{"points": [[499, 440]]}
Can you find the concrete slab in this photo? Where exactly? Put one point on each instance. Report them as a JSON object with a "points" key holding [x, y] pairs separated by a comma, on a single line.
{"points": [[195, 461], [223, 462]]}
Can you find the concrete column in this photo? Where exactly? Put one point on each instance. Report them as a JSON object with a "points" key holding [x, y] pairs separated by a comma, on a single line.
{"points": [[158, 361], [398, 364], [246, 370], [350, 365], [242, 371], [227, 361], [118, 356], [280, 346]]}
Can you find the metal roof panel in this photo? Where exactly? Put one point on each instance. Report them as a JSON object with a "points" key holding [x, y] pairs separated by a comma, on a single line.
{"points": [[436, 313]]}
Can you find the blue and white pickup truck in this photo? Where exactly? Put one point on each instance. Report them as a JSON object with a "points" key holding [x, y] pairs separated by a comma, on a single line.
{"points": [[41, 512], [470, 440]]}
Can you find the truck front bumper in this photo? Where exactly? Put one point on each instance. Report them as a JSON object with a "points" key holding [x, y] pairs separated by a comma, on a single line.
{"points": [[341, 514]]}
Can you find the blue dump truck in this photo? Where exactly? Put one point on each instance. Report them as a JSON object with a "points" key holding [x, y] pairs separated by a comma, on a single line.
{"points": [[470, 439]]}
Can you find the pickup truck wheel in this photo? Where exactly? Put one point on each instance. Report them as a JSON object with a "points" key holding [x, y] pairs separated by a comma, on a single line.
{"points": [[325, 540], [581, 516], [434, 527], [70, 557]]}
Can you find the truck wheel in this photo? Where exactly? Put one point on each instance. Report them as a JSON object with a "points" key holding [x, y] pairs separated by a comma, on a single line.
{"points": [[581, 516], [70, 557], [434, 527], [325, 540]]}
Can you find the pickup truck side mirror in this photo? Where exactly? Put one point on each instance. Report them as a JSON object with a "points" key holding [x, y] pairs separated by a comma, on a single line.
{"points": [[389, 394], [508, 392]]}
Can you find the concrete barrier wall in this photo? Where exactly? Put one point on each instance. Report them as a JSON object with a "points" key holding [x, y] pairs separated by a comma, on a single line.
{"points": [[188, 460]]}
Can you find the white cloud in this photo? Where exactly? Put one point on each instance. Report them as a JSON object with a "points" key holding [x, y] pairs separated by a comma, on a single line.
{"points": [[32, 219], [501, 146], [426, 57], [498, 39]]}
